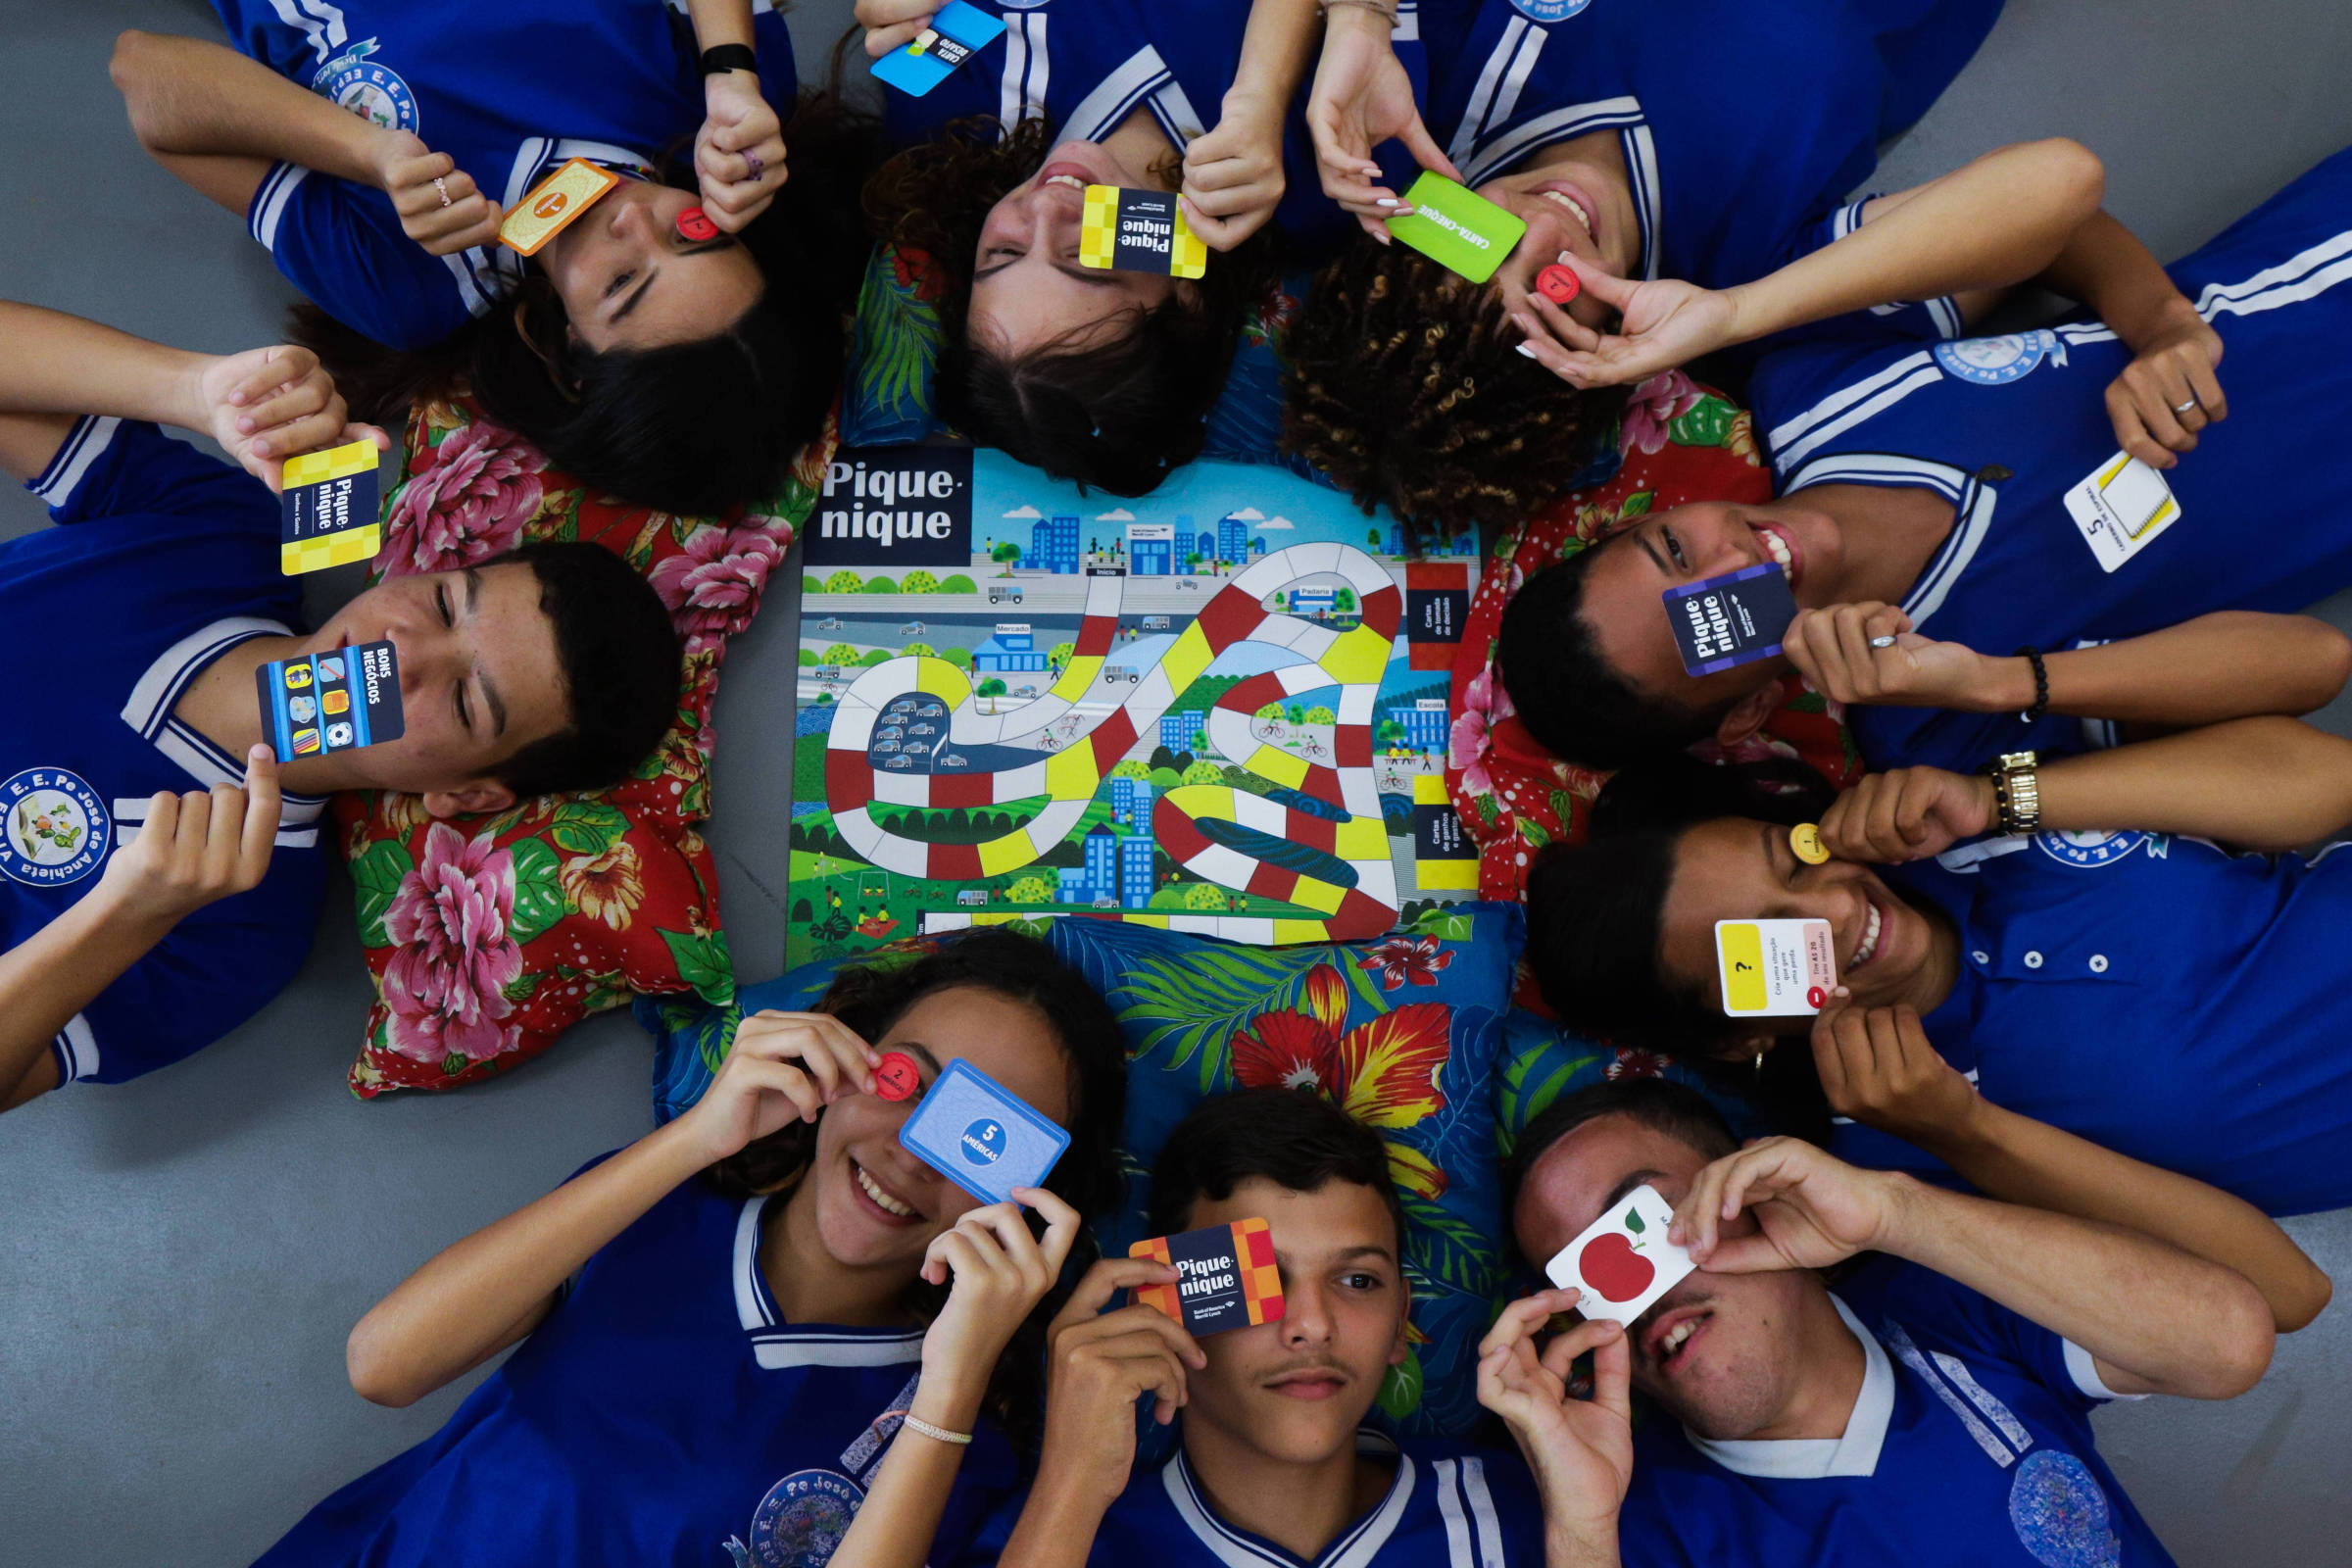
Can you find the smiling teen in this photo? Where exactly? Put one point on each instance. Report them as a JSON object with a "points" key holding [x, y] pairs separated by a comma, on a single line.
{"points": [[162, 592], [372, 146], [1273, 1466], [1929, 1407], [802, 1356]]}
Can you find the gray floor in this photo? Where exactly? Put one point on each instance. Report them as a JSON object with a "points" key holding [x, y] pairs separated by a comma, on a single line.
{"points": [[182, 1258]]}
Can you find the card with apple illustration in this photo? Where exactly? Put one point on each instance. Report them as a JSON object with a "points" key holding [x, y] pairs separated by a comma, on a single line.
{"points": [[1623, 1261]]}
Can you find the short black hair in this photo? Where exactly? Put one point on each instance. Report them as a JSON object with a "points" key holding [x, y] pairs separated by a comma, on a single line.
{"points": [[1660, 1104], [1571, 700], [1294, 1138], [620, 663]]}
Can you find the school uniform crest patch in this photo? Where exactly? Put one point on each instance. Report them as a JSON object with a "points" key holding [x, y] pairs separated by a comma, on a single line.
{"points": [[2000, 360], [2089, 846], [373, 92], [800, 1523], [57, 830], [1549, 10]]}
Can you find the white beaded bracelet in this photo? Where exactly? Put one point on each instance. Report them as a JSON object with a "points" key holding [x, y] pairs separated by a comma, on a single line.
{"points": [[937, 1434]]}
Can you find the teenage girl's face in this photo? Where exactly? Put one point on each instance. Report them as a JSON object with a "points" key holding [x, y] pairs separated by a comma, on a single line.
{"points": [[877, 1205], [479, 678], [1683, 544], [1028, 290], [1294, 1390], [1574, 197], [629, 280], [1733, 869]]}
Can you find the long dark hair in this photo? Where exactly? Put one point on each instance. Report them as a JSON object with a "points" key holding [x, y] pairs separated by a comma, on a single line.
{"points": [[1018, 968], [692, 428], [1596, 916], [1114, 409]]}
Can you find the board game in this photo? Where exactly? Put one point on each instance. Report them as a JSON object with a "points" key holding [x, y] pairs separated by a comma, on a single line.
{"points": [[1219, 708]]}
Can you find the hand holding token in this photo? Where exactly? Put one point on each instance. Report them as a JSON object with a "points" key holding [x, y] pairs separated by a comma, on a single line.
{"points": [[781, 1066], [1907, 814], [738, 153], [1662, 324]]}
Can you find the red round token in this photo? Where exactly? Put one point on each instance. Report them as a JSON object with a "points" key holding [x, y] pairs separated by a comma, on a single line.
{"points": [[896, 1076], [1559, 284], [695, 225], [1815, 996]]}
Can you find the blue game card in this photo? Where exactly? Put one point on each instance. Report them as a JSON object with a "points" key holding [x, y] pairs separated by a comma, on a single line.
{"points": [[1732, 619], [321, 703], [957, 33], [982, 1136]]}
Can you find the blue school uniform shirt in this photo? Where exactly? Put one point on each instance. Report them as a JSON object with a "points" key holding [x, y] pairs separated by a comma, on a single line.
{"points": [[2157, 994], [2004, 426], [1744, 127], [1970, 1444], [509, 90], [1448, 1504], [165, 559], [1085, 66], [664, 1413]]}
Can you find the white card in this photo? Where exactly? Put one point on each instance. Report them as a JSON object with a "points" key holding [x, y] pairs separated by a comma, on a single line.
{"points": [[1774, 968], [2121, 509], [1623, 1261]]}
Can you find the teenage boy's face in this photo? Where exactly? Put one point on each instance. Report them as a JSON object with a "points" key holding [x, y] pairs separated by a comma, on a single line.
{"points": [[479, 680], [1028, 288], [1633, 568], [1718, 1350], [1296, 1390]]}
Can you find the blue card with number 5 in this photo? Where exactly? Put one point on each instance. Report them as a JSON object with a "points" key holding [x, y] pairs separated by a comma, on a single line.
{"points": [[982, 1136]]}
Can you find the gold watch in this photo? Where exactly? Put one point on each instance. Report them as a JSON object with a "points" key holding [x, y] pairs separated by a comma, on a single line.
{"points": [[2017, 789]]}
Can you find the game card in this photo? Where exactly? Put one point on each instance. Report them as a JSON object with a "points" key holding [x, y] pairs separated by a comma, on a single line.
{"points": [[1774, 968], [323, 704], [1128, 230], [1227, 1277], [982, 1136], [550, 206], [1456, 227], [2122, 509], [957, 33], [1623, 1261], [1732, 619], [327, 510]]}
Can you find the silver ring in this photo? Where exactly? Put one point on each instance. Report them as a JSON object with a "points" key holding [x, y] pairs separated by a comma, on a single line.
{"points": [[2184, 408], [1881, 642], [442, 188]]}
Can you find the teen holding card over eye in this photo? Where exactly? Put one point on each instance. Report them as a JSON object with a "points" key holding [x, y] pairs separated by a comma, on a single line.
{"points": [[163, 592], [1931, 1407], [1103, 376], [2143, 988], [765, 1331], [1973, 545], [1271, 1466], [674, 342]]}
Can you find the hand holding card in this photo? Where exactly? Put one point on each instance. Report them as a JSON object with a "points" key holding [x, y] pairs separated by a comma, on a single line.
{"points": [[1226, 1277], [957, 33], [1623, 1261], [982, 1136]]}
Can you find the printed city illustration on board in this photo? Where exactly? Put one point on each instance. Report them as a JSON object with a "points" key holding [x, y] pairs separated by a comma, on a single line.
{"points": [[1220, 707]]}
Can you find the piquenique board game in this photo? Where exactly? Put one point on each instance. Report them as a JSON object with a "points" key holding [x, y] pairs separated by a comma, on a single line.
{"points": [[1219, 708]]}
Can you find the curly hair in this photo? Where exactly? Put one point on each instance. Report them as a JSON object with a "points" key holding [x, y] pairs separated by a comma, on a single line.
{"points": [[1109, 406], [872, 997], [1405, 383]]}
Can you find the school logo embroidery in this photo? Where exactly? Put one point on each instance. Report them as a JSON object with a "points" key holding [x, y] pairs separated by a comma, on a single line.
{"points": [[983, 1142], [57, 829], [2000, 360], [800, 1523], [1549, 10], [2089, 846], [2060, 1513], [375, 94]]}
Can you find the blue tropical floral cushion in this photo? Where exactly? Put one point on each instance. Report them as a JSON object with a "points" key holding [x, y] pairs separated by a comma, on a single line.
{"points": [[1404, 1032]]}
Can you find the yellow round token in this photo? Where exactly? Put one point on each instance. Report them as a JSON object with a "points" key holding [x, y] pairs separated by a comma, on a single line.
{"points": [[1806, 840]]}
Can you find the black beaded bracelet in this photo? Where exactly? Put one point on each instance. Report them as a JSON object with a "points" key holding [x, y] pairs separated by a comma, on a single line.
{"points": [[2042, 685]]}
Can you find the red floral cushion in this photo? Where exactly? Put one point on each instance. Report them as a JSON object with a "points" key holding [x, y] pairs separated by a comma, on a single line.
{"points": [[1680, 442], [489, 936]]}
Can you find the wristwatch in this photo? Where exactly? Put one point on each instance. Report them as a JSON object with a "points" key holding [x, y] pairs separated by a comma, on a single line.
{"points": [[729, 56], [2017, 789]]}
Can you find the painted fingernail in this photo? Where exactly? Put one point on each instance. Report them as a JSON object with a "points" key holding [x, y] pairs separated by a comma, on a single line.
{"points": [[1521, 348], [1386, 201]]}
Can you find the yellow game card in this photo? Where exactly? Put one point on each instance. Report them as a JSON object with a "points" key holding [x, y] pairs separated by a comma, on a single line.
{"points": [[1127, 231], [1774, 967], [552, 203]]}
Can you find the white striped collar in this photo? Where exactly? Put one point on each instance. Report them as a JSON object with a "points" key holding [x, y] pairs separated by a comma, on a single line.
{"points": [[1973, 502], [154, 695], [776, 1344], [1854, 1454], [1028, 68], [1514, 147], [1355, 1547], [1141, 76], [1794, 438]]}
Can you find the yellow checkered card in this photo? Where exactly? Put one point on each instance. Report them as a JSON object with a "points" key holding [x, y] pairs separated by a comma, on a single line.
{"points": [[1128, 230], [327, 510]]}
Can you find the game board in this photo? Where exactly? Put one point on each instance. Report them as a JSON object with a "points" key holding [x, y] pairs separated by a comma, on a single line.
{"points": [[1218, 708]]}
